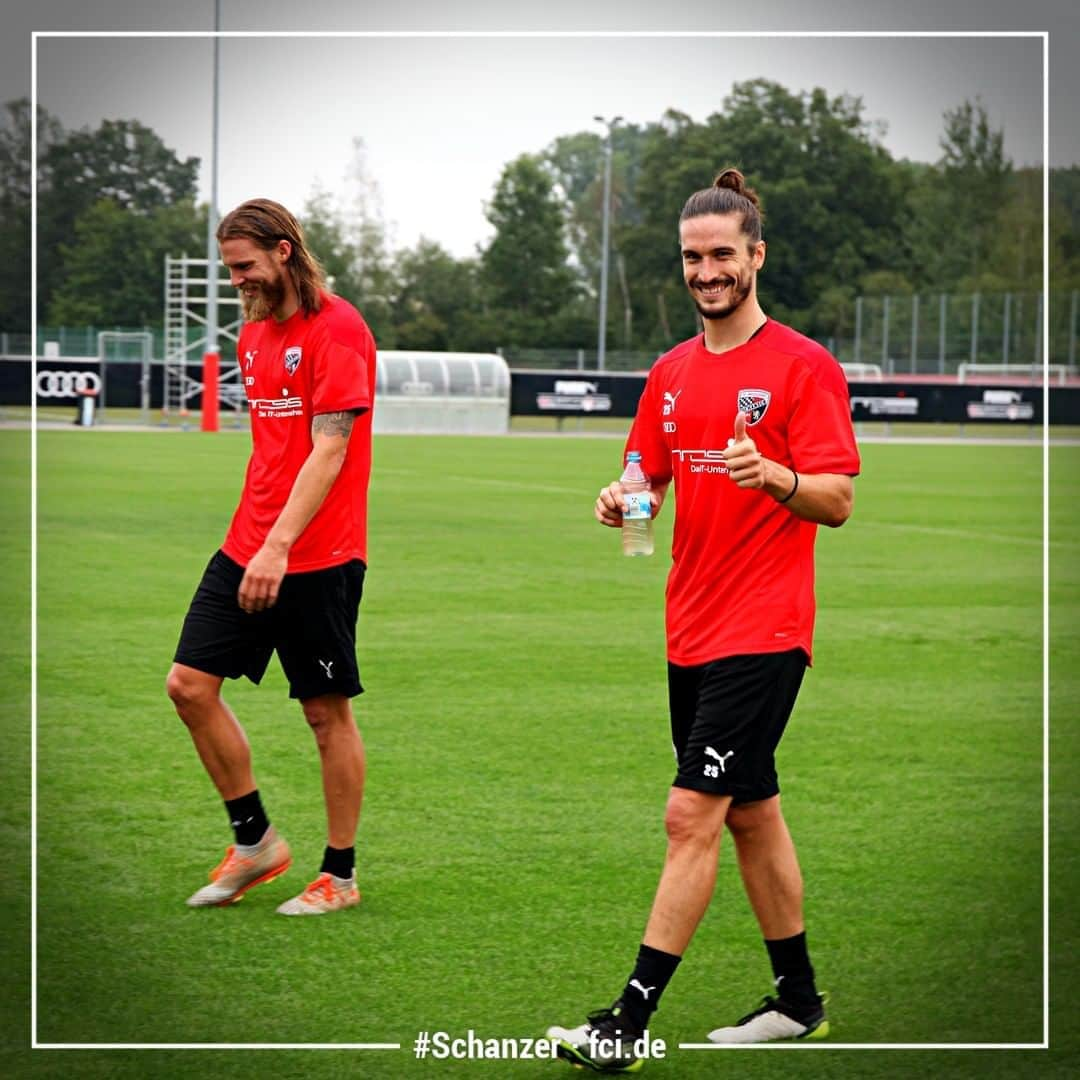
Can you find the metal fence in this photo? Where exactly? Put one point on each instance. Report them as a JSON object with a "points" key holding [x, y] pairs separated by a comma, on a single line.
{"points": [[932, 334], [902, 334], [577, 359], [75, 340], [936, 334]]}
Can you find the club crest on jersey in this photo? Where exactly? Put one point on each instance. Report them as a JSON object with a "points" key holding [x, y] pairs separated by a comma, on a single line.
{"points": [[754, 403], [292, 358]]}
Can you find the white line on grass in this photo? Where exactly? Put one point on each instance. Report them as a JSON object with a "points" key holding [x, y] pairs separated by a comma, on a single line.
{"points": [[863, 1046], [216, 1046]]}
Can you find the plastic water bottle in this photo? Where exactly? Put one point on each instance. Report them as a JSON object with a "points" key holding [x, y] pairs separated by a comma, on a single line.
{"points": [[637, 533]]}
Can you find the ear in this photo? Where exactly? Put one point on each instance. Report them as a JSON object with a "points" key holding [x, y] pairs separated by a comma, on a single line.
{"points": [[283, 250], [759, 255]]}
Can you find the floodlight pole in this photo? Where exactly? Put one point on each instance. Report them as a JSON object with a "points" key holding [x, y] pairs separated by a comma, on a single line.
{"points": [[211, 357], [601, 338]]}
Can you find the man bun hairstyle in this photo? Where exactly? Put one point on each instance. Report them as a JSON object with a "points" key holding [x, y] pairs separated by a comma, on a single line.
{"points": [[265, 223], [729, 194]]}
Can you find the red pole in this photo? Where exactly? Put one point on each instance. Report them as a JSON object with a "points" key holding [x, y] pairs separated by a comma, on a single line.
{"points": [[210, 391]]}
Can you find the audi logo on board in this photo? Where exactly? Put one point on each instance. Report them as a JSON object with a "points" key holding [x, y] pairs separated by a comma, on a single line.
{"points": [[67, 384]]}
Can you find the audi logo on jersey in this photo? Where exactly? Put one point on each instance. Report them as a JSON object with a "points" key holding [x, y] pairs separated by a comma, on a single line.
{"points": [[755, 404]]}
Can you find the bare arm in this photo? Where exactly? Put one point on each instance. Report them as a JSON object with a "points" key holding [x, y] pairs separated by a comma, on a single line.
{"points": [[262, 578], [825, 498]]}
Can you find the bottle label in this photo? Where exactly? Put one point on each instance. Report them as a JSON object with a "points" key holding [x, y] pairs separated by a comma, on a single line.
{"points": [[638, 506]]}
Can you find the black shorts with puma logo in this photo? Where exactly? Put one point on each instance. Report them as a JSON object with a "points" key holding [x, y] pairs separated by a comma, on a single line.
{"points": [[727, 717], [312, 626]]}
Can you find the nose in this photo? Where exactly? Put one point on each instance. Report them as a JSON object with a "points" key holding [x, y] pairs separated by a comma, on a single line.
{"points": [[708, 270], [236, 279]]}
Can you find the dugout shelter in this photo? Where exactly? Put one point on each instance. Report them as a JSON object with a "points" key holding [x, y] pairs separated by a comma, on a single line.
{"points": [[441, 393]]}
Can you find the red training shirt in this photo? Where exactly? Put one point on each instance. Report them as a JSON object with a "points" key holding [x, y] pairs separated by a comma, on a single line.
{"points": [[292, 371], [742, 575]]}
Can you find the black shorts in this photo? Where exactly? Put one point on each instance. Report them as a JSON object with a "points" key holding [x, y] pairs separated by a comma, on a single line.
{"points": [[727, 717], [312, 626]]}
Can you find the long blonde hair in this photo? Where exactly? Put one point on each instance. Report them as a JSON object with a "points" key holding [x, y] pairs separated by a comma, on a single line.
{"points": [[265, 222]]}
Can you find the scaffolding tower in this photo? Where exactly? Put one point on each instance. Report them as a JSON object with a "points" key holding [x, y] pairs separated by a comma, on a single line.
{"points": [[187, 285]]}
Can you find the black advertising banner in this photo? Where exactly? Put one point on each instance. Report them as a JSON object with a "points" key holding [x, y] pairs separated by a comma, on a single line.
{"points": [[582, 393], [589, 393], [954, 403], [64, 382], [574, 393]]}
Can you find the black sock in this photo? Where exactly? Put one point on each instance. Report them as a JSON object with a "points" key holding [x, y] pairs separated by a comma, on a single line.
{"points": [[338, 861], [651, 974], [247, 817], [792, 971]]}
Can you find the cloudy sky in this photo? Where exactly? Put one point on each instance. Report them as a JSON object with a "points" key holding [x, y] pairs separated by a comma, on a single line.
{"points": [[440, 116]]}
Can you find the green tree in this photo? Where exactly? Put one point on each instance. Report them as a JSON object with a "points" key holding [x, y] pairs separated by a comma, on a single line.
{"points": [[349, 236], [1064, 260], [122, 161], [1065, 227], [327, 236], [832, 201], [114, 263], [525, 268], [958, 204], [15, 190], [440, 302], [577, 163], [678, 157]]}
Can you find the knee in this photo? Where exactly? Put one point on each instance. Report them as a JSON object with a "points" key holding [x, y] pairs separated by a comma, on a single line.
{"points": [[691, 818], [326, 715], [748, 819], [190, 691]]}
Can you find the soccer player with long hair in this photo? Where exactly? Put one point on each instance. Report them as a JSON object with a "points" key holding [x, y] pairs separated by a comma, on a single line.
{"points": [[290, 573]]}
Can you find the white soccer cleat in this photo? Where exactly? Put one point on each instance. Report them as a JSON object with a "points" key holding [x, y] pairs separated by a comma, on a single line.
{"points": [[243, 868], [603, 1044], [577, 1035], [772, 1022], [325, 894]]}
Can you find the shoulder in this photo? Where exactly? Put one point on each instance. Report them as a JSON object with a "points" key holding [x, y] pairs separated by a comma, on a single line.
{"points": [[808, 358], [338, 321], [672, 357]]}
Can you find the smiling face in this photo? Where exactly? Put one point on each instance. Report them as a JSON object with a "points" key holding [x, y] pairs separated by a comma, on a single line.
{"points": [[259, 277], [720, 263]]}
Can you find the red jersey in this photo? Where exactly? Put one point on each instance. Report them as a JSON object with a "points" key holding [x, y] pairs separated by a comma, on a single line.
{"points": [[292, 371], [742, 575]]}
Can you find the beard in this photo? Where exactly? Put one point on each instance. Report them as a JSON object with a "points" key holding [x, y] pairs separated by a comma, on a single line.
{"points": [[269, 295], [740, 290]]}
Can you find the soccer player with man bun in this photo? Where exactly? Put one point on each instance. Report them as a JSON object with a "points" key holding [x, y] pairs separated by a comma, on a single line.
{"points": [[751, 421], [290, 573]]}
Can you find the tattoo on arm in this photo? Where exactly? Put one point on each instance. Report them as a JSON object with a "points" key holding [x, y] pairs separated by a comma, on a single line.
{"points": [[333, 423]]}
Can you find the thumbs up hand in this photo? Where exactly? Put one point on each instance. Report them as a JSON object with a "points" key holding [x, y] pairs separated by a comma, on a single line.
{"points": [[740, 427], [745, 464]]}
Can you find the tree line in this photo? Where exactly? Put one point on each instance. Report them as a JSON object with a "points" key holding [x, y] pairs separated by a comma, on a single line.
{"points": [[842, 218]]}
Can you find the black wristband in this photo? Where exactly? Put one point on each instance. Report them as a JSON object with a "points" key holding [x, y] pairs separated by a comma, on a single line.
{"points": [[791, 494]]}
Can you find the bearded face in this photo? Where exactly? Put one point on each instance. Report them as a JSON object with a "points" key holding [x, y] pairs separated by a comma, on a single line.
{"points": [[258, 275], [259, 299], [723, 296], [719, 265]]}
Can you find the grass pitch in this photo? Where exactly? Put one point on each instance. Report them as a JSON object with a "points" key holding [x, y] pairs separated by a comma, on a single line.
{"points": [[515, 722]]}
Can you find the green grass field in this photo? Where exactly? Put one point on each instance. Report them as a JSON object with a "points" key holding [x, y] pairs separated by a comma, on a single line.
{"points": [[512, 828]]}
